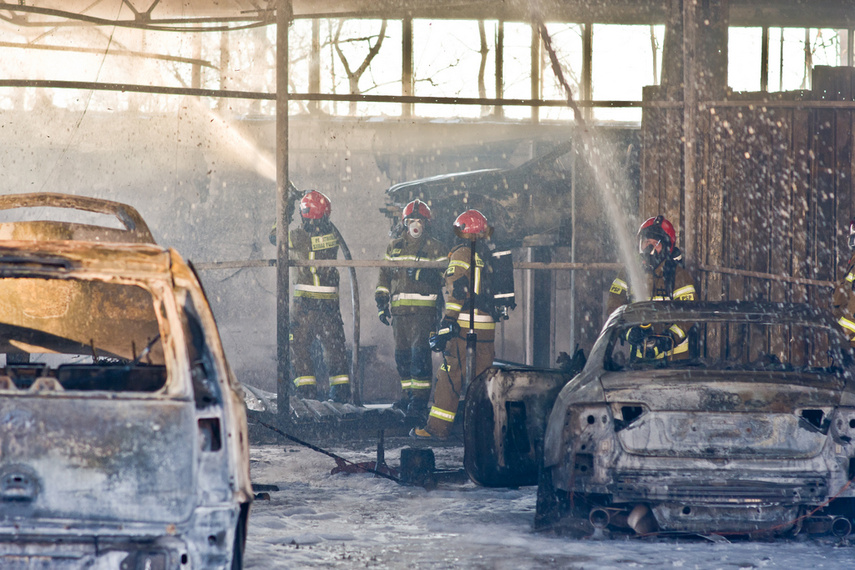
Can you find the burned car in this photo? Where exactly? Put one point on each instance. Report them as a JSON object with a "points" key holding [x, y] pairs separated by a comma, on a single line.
{"points": [[123, 430], [528, 204], [751, 433]]}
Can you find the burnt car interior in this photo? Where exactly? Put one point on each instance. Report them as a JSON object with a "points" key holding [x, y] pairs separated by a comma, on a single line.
{"points": [[734, 346], [71, 334]]}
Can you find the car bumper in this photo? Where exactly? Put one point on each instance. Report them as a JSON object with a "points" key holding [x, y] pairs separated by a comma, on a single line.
{"points": [[206, 541]]}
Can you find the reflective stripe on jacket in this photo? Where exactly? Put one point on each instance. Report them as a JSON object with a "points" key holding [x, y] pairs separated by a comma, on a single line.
{"points": [[411, 291], [457, 278], [314, 282]]}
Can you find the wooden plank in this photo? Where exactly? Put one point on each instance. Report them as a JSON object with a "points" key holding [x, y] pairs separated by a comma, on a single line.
{"points": [[780, 178], [715, 208], [843, 171], [800, 192], [755, 145], [780, 198], [824, 218], [739, 204], [651, 123], [735, 222], [711, 242], [672, 190]]}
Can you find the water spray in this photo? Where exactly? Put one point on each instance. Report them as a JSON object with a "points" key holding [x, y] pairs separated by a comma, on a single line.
{"points": [[603, 179]]}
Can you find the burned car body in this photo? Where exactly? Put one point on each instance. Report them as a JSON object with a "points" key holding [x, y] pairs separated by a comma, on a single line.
{"points": [[751, 434], [123, 431], [506, 409], [527, 204]]}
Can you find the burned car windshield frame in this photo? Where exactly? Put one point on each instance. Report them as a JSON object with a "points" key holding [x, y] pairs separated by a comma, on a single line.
{"points": [[748, 317]]}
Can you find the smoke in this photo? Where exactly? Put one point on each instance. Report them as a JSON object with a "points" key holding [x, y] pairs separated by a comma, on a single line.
{"points": [[242, 149]]}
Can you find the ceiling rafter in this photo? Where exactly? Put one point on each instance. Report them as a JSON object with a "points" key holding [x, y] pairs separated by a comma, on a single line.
{"points": [[175, 14]]}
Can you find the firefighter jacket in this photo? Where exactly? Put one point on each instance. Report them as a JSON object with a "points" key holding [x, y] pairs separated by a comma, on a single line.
{"points": [[457, 283], [668, 282], [450, 381], [843, 301], [411, 289], [314, 282]]}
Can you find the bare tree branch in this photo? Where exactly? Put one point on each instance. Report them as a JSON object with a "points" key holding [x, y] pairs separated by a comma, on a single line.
{"points": [[485, 51], [353, 77]]}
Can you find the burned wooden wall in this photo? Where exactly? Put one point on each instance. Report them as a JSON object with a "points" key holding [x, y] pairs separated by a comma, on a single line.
{"points": [[773, 194], [774, 189]]}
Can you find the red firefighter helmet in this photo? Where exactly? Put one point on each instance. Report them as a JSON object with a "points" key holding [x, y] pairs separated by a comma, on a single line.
{"points": [[660, 229], [315, 205], [472, 224], [416, 209]]}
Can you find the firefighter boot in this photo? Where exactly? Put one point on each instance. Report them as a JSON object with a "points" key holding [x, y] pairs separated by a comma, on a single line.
{"points": [[404, 403], [422, 434], [418, 409], [307, 392], [340, 393]]}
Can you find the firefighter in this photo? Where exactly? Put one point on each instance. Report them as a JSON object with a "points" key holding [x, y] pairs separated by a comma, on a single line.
{"points": [[843, 298], [316, 313], [406, 299], [451, 333], [667, 280]]}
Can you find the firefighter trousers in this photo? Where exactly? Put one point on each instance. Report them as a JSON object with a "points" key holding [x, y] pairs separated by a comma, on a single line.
{"points": [[412, 351], [450, 378], [319, 319]]}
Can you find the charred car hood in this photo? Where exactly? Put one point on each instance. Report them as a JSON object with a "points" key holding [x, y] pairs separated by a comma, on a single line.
{"points": [[434, 186], [723, 391]]}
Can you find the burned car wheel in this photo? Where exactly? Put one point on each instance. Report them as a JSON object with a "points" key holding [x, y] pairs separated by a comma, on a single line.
{"points": [[549, 508]]}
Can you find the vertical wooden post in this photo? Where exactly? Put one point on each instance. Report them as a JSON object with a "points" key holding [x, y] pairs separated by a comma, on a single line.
{"points": [[542, 282], [315, 65], [781, 62], [690, 109], [764, 60], [587, 87], [407, 85], [196, 73], [499, 111], [807, 82], [283, 293], [528, 311], [535, 71], [850, 57]]}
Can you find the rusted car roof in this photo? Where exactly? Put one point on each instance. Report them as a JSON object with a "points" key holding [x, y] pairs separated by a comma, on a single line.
{"points": [[759, 312], [134, 229]]}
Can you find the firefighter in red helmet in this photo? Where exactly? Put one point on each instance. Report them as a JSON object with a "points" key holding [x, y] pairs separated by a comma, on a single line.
{"points": [[407, 300], [667, 280], [843, 297], [462, 284], [316, 314]]}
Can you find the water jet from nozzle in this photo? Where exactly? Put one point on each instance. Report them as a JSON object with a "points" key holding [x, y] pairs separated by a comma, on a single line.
{"points": [[604, 179]]}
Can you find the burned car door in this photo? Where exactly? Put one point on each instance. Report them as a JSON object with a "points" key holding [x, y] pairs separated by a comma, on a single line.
{"points": [[221, 416]]}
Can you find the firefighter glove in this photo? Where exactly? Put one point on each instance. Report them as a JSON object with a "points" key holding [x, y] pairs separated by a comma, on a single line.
{"points": [[413, 273], [657, 346], [383, 312], [447, 330]]}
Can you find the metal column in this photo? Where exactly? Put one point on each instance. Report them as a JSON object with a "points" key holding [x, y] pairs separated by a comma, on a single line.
{"points": [[283, 294]]}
